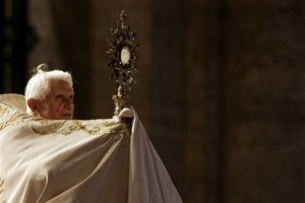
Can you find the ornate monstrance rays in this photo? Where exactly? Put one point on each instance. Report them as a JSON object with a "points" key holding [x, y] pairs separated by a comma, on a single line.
{"points": [[123, 58]]}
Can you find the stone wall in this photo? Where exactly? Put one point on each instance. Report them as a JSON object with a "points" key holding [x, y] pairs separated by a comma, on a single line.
{"points": [[263, 101]]}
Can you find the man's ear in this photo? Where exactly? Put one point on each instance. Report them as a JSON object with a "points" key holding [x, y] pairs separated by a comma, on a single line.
{"points": [[34, 106]]}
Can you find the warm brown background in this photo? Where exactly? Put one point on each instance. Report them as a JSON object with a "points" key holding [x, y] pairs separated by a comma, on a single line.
{"points": [[221, 88]]}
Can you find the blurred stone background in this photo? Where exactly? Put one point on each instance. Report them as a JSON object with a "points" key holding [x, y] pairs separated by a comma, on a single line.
{"points": [[221, 88]]}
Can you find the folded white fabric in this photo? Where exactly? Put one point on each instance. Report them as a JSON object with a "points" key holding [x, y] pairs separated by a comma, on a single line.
{"points": [[149, 181], [84, 161]]}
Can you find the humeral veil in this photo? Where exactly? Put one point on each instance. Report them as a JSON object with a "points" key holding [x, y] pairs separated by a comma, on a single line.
{"points": [[83, 161]]}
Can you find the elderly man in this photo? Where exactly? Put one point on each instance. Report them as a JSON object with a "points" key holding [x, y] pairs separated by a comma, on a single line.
{"points": [[61, 161], [49, 94]]}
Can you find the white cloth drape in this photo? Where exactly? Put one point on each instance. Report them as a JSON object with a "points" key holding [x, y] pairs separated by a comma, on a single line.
{"points": [[84, 161]]}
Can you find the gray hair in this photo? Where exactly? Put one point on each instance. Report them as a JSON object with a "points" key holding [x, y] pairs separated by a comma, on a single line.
{"points": [[38, 86]]}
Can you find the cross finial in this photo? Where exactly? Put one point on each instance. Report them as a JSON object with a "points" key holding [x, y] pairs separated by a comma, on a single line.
{"points": [[123, 16]]}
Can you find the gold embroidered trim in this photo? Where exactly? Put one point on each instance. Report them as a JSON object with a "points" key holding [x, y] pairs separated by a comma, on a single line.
{"points": [[49, 130], [10, 121], [2, 200], [45, 126], [78, 125]]}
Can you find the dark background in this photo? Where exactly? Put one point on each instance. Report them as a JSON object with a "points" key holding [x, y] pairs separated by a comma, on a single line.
{"points": [[221, 88]]}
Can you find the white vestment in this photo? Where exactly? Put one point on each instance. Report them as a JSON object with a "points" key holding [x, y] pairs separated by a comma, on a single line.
{"points": [[78, 161]]}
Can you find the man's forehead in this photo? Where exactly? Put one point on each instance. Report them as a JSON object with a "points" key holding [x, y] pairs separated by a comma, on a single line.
{"points": [[60, 85]]}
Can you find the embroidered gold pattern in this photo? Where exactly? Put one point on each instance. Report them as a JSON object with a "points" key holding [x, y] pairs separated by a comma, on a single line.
{"points": [[2, 200], [52, 128], [43, 126], [9, 116], [11, 120], [107, 123], [77, 125], [107, 128]]}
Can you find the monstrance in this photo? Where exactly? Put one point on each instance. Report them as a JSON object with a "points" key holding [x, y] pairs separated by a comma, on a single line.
{"points": [[123, 57]]}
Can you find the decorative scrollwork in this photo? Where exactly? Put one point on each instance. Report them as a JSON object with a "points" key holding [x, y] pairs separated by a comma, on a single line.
{"points": [[50, 129]]}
